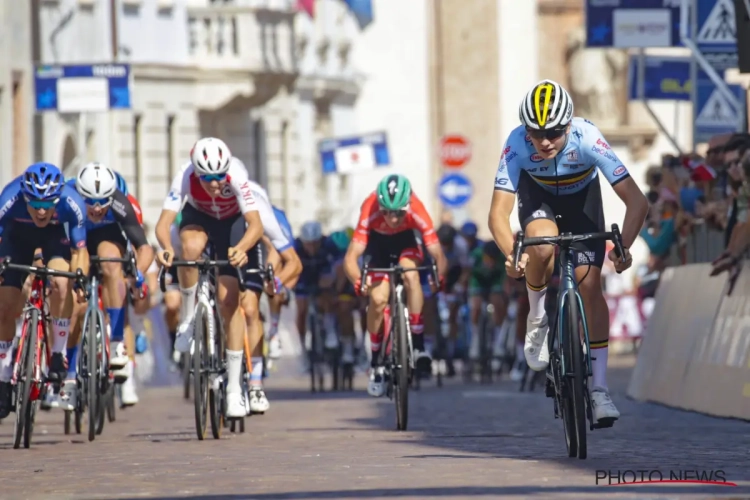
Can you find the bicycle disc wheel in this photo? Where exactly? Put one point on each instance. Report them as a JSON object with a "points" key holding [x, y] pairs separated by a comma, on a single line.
{"points": [[401, 371], [575, 405], [25, 383], [200, 372]]}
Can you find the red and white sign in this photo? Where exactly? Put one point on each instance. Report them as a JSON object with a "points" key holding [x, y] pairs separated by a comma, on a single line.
{"points": [[628, 316], [455, 151]]}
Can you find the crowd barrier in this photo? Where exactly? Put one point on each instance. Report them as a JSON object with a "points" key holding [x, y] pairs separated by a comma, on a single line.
{"points": [[696, 351]]}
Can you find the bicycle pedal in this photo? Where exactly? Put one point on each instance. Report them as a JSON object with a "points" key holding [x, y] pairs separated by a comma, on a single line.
{"points": [[605, 423]]}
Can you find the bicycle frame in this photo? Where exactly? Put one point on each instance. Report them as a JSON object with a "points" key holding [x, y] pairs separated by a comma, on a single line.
{"points": [[35, 301]]}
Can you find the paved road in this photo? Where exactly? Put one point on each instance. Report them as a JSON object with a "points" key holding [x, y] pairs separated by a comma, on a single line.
{"points": [[464, 441]]}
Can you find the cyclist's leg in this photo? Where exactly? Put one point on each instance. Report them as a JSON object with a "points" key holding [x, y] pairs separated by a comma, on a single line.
{"points": [[454, 304], [327, 307], [193, 239], [499, 301], [586, 215], [275, 304], [476, 292], [251, 305], [345, 304], [537, 218], [173, 297], [302, 301], [11, 305], [410, 256], [429, 313], [56, 249], [379, 295]]}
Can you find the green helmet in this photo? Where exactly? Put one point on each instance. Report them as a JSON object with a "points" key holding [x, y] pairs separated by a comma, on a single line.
{"points": [[341, 240], [394, 192]]}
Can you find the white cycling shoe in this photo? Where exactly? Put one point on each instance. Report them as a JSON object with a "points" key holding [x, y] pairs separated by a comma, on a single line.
{"points": [[119, 357], [128, 394], [605, 411], [274, 347], [184, 336], [258, 401], [535, 347], [68, 396], [376, 385], [236, 405]]}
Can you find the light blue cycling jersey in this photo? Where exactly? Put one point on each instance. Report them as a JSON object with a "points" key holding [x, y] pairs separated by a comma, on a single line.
{"points": [[570, 171]]}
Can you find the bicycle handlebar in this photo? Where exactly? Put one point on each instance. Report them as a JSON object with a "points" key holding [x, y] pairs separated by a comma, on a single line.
{"points": [[45, 272], [203, 265], [366, 269], [267, 275], [130, 269], [566, 240]]}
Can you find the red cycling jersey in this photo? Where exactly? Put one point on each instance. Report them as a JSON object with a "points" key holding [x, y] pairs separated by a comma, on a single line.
{"points": [[372, 219], [136, 208]]}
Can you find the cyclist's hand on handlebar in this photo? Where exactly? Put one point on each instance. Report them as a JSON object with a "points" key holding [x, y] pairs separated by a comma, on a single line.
{"points": [[361, 290], [436, 287], [621, 263], [236, 257], [510, 267], [165, 257]]}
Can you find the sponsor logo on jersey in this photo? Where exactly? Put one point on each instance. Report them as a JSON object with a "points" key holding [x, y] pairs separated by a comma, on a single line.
{"points": [[173, 196], [577, 134], [81, 244], [76, 209], [602, 143], [572, 155], [118, 207], [539, 214], [586, 257], [604, 153], [589, 122], [619, 170], [536, 158], [505, 151], [226, 191], [527, 138], [247, 193], [501, 168], [573, 166], [500, 181]]}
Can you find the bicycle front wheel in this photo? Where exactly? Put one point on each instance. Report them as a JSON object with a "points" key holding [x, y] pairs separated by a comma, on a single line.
{"points": [[200, 372], [216, 395], [25, 381], [401, 370], [575, 404], [92, 378]]}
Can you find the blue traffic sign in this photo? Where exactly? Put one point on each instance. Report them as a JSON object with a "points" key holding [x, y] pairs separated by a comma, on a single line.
{"points": [[714, 113], [633, 23], [82, 88], [454, 190], [716, 35], [664, 78]]}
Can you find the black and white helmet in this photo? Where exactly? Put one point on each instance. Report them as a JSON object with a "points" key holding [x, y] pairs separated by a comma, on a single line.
{"points": [[210, 156], [547, 106], [96, 181]]}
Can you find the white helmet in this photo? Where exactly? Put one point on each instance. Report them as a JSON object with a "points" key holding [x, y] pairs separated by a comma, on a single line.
{"points": [[210, 156], [546, 106], [96, 181], [311, 231]]}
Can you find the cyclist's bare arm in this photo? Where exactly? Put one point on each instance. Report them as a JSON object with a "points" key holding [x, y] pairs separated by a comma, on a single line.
{"points": [[163, 228], [636, 209], [436, 252], [351, 261], [500, 210], [253, 233]]}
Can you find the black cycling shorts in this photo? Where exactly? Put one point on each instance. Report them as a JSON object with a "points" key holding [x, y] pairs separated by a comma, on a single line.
{"points": [[19, 242], [386, 250], [111, 233], [222, 234], [581, 212]]}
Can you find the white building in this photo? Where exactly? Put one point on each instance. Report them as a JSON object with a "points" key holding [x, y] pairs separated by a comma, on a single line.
{"points": [[199, 68]]}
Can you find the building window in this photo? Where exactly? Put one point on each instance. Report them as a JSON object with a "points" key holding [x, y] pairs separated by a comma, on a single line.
{"points": [[137, 121], [170, 147]]}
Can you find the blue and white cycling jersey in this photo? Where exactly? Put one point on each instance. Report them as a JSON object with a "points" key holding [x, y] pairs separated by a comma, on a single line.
{"points": [[69, 211], [574, 168], [286, 228]]}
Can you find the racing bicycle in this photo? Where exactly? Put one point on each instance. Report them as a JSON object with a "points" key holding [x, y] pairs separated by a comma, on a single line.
{"points": [[570, 361]]}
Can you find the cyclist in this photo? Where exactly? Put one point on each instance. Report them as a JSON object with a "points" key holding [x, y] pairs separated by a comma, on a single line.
{"points": [[172, 297], [486, 283], [281, 298], [469, 231], [221, 207], [112, 224], [251, 298], [456, 252], [386, 232], [552, 163], [35, 209], [317, 254], [345, 298]]}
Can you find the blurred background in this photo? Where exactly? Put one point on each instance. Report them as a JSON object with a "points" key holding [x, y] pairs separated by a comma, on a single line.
{"points": [[321, 98]]}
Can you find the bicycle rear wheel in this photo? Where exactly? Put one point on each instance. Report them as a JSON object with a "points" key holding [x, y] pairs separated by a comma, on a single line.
{"points": [[216, 395], [401, 370], [92, 379], [574, 413], [200, 372]]}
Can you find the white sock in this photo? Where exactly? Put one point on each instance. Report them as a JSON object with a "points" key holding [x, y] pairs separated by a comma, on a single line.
{"points": [[274, 329], [329, 323], [187, 306], [6, 360], [599, 367], [536, 303], [256, 376], [60, 329], [234, 368]]}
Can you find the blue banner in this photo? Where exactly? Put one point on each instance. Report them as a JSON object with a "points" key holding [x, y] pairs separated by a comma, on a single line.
{"points": [[362, 10], [665, 78], [54, 84], [633, 23]]}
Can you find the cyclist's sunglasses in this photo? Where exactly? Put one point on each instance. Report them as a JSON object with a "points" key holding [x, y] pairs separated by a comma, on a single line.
{"points": [[98, 202], [213, 177], [550, 134], [394, 213], [42, 204]]}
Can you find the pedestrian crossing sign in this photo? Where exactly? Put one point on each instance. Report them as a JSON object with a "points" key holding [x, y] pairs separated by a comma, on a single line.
{"points": [[717, 112], [719, 27]]}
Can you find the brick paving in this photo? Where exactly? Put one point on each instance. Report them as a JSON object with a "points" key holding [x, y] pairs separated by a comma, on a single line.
{"points": [[464, 441]]}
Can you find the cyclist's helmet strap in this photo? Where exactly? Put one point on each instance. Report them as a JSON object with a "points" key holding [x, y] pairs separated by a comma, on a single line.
{"points": [[394, 192]]}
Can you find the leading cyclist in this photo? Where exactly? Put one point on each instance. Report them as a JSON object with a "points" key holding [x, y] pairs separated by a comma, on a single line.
{"points": [[552, 163], [221, 208]]}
